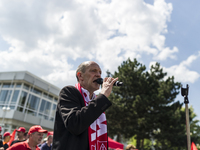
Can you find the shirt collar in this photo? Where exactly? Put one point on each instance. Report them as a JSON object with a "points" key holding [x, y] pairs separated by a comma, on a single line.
{"points": [[26, 143], [86, 94]]}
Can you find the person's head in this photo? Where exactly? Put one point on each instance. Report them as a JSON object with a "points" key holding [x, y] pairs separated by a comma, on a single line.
{"points": [[6, 137], [130, 147], [50, 139], [0, 129], [36, 134], [20, 132], [86, 73], [0, 137], [26, 135]]}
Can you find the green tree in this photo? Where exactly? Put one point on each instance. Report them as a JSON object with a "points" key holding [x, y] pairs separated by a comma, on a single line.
{"points": [[145, 106]]}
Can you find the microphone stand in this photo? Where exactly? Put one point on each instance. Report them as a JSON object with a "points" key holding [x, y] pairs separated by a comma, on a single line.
{"points": [[184, 93]]}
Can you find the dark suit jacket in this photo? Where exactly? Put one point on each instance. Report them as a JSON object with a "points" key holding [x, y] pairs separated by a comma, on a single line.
{"points": [[73, 119]]}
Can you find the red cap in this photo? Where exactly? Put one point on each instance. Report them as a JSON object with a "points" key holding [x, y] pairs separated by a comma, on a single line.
{"points": [[36, 128], [50, 133], [21, 129], [0, 128], [6, 134]]}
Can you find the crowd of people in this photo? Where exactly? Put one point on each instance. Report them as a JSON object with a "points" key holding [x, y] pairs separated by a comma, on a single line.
{"points": [[26, 140]]}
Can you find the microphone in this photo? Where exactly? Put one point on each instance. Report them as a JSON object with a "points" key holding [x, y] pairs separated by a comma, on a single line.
{"points": [[100, 81]]}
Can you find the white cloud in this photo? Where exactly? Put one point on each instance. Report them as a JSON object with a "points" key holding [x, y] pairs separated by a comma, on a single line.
{"points": [[45, 35], [166, 52], [182, 72]]}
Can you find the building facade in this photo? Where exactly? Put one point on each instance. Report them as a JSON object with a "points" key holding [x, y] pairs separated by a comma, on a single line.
{"points": [[26, 100]]}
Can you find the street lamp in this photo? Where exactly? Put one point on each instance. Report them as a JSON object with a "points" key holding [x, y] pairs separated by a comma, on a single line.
{"points": [[184, 93], [5, 109]]}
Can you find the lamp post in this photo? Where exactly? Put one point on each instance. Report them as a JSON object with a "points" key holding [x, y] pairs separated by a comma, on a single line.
{"points": [[5, 109], [184, 93]]}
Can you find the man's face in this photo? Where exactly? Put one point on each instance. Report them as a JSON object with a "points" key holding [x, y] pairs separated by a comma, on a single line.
{"points": [[37, 137], [20, 134], [7, 139], [50, 139], [87, 78]]}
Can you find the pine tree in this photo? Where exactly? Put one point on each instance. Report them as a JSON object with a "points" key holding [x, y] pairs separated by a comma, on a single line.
{"points": [[145, 106]]}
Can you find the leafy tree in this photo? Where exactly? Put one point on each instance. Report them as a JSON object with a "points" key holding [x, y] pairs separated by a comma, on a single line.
{"points": [[145, 106]]}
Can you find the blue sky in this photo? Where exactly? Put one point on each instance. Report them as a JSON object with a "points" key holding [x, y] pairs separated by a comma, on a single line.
{"points": [[51, 38]]}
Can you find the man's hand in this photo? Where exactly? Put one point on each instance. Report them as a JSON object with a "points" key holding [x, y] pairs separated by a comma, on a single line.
{"points": [[107, 85]]}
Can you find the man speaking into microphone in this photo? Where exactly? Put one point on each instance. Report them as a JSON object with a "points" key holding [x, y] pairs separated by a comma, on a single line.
{"points": [[80, 122]]}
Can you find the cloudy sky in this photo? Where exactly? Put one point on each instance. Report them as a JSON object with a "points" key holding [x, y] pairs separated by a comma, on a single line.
{"points": [[51, 38]]}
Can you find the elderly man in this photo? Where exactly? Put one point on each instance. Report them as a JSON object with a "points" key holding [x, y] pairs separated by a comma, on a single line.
{"points": [[35, 136], [80, 121], [20, 135]]}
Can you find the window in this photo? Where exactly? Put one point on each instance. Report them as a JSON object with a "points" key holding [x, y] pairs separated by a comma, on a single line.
{"points": [[43, 116], [26, 87], [48, 96], [53, 111], [45, 107], [30, 112], [33, 102], [20, 109], [55, 100], [7, 85], [12, 107], [5, 96], [18, 85], [15, 96], [36, 91], [22, 99]]}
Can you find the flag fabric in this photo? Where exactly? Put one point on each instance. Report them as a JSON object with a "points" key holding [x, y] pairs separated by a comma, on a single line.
{"points": [[12, 137], [193, 146]]}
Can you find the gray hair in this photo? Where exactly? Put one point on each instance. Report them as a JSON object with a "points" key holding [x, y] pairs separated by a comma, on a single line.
{"points": [[82, 68]]}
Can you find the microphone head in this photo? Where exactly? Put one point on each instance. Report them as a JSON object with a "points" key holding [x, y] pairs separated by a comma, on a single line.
{"points": [[99, 80]]}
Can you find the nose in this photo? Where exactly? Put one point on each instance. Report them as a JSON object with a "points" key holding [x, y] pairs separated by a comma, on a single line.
{"points": [[98, 74]]}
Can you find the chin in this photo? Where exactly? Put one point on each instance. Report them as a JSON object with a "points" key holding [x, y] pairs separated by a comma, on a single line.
{"points": [[97, 88]]}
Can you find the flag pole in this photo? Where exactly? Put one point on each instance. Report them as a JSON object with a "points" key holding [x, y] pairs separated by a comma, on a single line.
{"points": [[184, 93]]}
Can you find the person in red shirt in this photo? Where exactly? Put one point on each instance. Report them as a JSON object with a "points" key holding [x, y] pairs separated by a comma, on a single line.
{"points": [[35, 136]]}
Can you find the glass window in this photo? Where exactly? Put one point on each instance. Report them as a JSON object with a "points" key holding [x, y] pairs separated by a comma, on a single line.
{"points": [[48, 96], [22, 99], [42, 106], [5, 96], [26, 86], [30, 112], [55, 100], [18, 85], [20, 109], [45, 107], [33, 102], [7, 85], [12, 107], [52, 119], [53, 111], [36, 91], [15, 96], [43, 116]]}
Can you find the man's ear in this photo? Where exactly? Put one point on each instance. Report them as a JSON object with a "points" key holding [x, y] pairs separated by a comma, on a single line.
{"points": [[80, 76]]}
